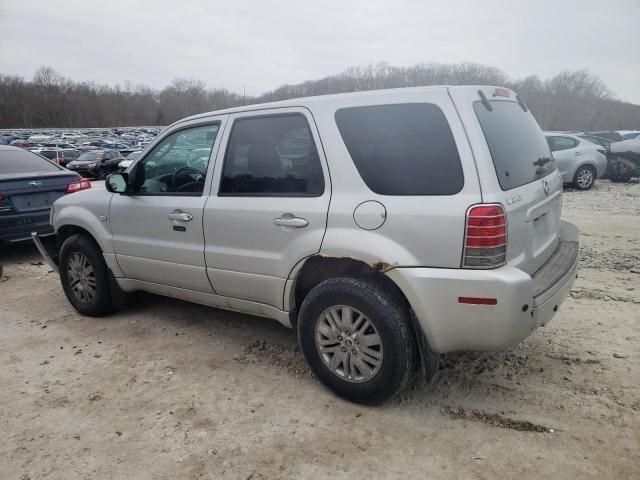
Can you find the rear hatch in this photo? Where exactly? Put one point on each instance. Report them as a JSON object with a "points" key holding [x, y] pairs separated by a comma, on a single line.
{"points": [[516, 170]]}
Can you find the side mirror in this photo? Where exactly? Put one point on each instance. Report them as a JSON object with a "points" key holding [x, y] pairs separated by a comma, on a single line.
{"points": [[117, 183]]}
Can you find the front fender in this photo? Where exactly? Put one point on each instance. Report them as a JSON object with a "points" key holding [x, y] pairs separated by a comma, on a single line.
{"points": [[88, 210]]}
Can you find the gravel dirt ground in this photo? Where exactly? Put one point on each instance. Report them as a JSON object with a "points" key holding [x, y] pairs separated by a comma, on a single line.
{"points": [[168, 389]]}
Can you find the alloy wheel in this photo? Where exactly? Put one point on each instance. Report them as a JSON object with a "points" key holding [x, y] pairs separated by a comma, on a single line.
{"points": [[348, 343], [82, 277], [585, 178]]}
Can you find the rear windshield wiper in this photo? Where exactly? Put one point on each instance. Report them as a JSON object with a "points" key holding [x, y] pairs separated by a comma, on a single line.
{"points": [[542, 161]]}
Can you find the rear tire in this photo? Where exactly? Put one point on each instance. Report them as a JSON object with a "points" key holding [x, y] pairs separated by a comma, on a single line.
{"points": [[85, 276], [584, 178], [357, 337]]}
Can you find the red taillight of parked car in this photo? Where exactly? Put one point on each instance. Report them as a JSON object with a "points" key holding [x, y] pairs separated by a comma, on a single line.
{"points": [[4, 203], [78, 185], [485, 239], [602, 151]]}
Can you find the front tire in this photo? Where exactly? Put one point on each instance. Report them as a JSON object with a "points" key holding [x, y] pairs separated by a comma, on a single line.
{"points": [[356, 336], [84, 276], [584, 178]]}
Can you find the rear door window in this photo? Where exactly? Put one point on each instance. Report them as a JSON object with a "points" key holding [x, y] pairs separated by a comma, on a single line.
{"points": [[272, 156], [404, 149], [518, 148], [561, 143]]}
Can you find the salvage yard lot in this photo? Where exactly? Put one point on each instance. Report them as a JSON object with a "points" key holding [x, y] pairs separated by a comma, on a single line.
{"points": [[168, 389]]}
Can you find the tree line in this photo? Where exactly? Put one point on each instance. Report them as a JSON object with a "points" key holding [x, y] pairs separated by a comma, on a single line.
{"points": [[568, 101]]}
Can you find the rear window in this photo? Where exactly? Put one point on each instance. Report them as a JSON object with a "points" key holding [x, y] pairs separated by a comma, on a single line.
{"points": [[518, 148], [21, 161], [405, 149]]}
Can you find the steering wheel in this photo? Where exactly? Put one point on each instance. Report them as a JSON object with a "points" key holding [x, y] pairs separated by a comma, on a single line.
{"points": [[183, 171]]}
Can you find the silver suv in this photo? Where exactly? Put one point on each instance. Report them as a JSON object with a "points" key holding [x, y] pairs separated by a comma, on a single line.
{"points": [[387, 227]]}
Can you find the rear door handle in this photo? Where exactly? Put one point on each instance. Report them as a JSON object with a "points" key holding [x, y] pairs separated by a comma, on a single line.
{"points": [[182, 216], [288, 220]]}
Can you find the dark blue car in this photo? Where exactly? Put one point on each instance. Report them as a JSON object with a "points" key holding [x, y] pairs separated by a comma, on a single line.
{"points": [[29, 184]]}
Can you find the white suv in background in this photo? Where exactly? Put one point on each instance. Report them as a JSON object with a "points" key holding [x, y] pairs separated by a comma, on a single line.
{"points": [[580, 161], [387, 227]]}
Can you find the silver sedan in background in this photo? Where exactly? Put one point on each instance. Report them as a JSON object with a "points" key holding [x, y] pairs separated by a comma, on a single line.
{"points": [[579, 161]]}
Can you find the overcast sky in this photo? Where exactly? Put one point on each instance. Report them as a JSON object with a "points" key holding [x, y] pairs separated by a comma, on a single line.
{"points": [[261, 44]]}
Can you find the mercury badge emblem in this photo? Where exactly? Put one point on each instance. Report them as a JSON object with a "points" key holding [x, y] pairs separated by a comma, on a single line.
{"points": [[35, 183], [545, 185]]}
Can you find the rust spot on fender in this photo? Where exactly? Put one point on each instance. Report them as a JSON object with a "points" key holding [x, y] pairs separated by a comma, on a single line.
{"points": [[382, 267]]}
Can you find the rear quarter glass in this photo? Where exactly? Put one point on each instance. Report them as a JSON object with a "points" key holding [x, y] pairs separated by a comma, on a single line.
{"points": [[519, 149], [402, 149]]}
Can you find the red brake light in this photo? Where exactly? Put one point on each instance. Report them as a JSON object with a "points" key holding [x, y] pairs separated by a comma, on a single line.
{"points": [[485, 240], [78, 185], [5, 204]]}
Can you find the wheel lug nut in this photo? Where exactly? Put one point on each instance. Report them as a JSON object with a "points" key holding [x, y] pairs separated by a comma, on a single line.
{"points": [[357, 341], [340, 338], [344, 349], [348, 333], [354, 351]]}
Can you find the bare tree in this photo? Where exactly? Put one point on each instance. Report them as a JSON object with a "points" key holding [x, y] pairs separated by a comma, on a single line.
{"points": [[567, 101]]}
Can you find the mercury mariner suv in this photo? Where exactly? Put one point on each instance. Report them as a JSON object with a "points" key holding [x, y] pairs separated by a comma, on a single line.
{"points": [[386, 227]]}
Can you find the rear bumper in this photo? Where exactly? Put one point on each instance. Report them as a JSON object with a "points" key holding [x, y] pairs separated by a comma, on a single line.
{"points": [[524, 302], [16, 228]]}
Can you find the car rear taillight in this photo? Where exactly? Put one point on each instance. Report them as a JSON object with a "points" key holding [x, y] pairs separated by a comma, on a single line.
{"points": [[4, 203], [485, 238], [78, 185], [602, 151]]}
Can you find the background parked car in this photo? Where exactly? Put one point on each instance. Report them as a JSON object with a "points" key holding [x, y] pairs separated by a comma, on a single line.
{"points": [[623, 158], [629, 134], [613, 136], [29, 185], [6, 138], [627, 160], [57, 145], [96, 163], [579, 161], [129, 159], [59, 156]]}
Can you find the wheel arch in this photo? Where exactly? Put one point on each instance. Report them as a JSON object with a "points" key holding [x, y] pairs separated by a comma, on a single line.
{"points": [[315, 269], [65, 231]]}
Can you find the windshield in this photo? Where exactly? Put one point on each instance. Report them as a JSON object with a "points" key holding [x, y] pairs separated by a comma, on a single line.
{"points": [[518, 148], [90, 157], [21, 161]]}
